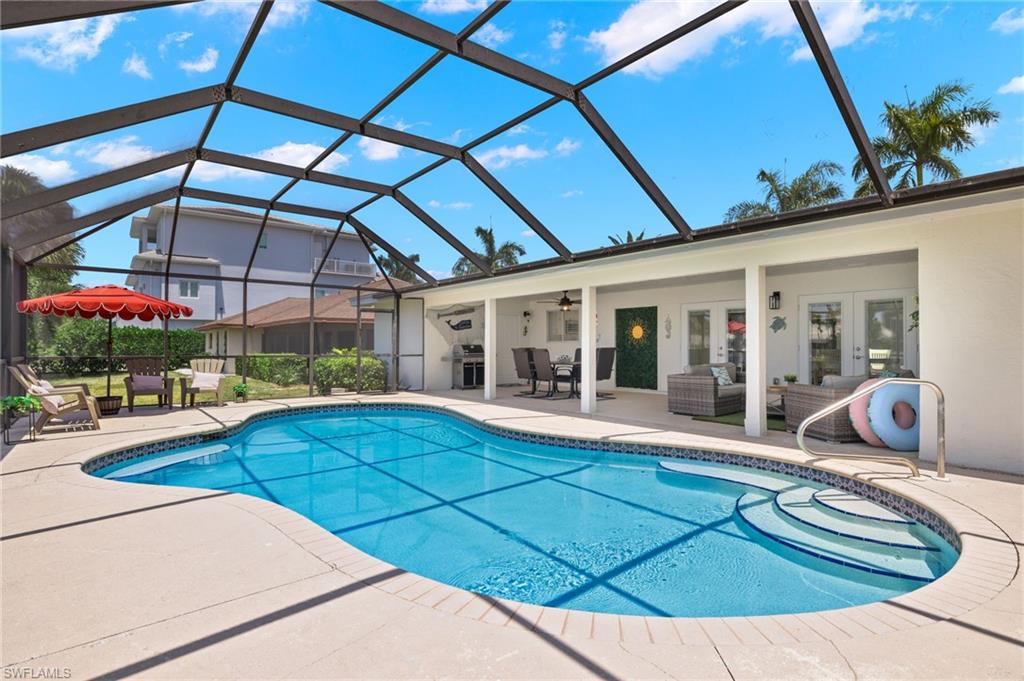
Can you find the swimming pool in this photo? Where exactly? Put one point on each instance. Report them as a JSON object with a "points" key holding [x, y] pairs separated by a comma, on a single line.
{"points": [[562, 526]]}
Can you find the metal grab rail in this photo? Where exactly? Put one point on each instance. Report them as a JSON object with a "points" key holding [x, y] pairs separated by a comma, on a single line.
{"points": [[940, 426]]}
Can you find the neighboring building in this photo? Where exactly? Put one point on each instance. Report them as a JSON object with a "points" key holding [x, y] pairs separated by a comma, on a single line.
{"points": [[288, 251]]}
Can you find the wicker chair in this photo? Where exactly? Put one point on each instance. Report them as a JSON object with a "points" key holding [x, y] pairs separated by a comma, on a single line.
{"points": [[697, 393], [804, 400], [145, 366]]}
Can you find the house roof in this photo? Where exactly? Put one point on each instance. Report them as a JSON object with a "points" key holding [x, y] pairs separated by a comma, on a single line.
{"points": [[334, 308], [233, 214]]}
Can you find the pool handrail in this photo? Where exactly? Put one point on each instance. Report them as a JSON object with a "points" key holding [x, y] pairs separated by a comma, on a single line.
{"points": [[940, 426]]}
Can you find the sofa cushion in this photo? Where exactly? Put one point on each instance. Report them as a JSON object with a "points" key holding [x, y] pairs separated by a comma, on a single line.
{"points": [[697, 370], [732, 390], [842, 382]]}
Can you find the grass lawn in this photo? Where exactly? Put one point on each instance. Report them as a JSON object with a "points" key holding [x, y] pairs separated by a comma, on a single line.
{"points": [[774, 422], [257, 389]]}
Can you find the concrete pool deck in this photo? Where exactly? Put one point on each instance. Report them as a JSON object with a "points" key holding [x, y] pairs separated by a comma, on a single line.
{"points": [[102, 578]]}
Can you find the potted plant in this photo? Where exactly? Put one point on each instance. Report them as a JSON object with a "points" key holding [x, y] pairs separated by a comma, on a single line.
{"points": [[241, 392], [15, 406], [789, 378]]}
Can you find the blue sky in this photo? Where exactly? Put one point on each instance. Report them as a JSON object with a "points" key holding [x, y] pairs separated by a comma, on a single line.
{"points": [[703, 115]]}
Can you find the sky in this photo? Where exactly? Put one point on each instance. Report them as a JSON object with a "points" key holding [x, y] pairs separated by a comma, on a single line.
{"points": [[703, 115]]}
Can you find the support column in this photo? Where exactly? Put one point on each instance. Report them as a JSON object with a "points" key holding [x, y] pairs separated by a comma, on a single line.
{"points": [[756, 422], [588, 350], [490, 349]]}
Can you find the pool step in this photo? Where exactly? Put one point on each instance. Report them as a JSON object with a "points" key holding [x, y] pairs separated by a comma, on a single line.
{"points": [[847, 504], [762, 480], [760, 512], [796, 506]]}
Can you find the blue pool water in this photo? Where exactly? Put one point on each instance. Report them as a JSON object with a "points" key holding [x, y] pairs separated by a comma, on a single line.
{"points": [[551, 525]]}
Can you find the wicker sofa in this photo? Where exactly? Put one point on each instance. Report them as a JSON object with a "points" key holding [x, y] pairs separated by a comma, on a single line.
{"points": [[804, 400], [695, 392]]}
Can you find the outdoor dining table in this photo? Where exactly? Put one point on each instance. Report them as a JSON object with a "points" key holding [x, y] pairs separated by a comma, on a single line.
{"points": [[555, 366]]}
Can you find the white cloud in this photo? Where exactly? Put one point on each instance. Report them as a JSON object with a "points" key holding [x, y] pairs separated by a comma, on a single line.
{"points": [[178, 38], [557, 35], [62, 46], [452, 6], [504, 156], [1010, 21], [302, 154], [520, 129], [46, 169], [207, 61], [492, 36], [980, 133], [456, 136], [527, 233], [117, 152], [567, 146], [241, 12], [454, 205], [378, 150], [571, 194], [1014, 86], [844, 23], [136, 65]]}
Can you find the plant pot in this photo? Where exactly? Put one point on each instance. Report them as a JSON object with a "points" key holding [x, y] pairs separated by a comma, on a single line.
{"points": [[241, 398], [109, 405]]}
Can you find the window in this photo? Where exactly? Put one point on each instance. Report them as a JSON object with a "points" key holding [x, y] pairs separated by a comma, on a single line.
{"points": [[563, 326], [263, 240], [188, 289], [151, 243], [320, 292]]}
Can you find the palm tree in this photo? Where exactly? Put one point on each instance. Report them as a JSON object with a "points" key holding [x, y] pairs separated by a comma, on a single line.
{"points": [[496, 257], [628, 239], [920, 133], [16, 183], [816, 186], [396, 269]]}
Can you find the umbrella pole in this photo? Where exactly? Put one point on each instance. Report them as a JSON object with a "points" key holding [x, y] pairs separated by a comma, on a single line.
{"points": [[110, 351]]}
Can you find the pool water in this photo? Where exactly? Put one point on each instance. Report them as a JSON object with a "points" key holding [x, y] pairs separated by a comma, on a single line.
{"points": [[541, 524]]}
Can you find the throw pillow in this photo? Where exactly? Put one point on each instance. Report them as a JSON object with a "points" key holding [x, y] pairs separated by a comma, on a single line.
{"points": [[143, 382], [205, 381], [44, 395], [721, 375]]}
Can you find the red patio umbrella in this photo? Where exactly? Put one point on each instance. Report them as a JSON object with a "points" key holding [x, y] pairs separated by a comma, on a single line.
{"points": [[107, 302]]}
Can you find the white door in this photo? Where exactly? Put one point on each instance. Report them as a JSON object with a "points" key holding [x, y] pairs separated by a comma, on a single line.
{"points": [[882, 341], [851, 334], [715, 332], [510, 335]]}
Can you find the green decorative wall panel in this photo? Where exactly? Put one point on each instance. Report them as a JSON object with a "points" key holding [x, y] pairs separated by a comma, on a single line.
{"points": [[636, 347]]}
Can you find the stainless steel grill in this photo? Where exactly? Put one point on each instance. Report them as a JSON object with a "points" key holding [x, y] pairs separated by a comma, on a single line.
{"points": [[467, 366]]}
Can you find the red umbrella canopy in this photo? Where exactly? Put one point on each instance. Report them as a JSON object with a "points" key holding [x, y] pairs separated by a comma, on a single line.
{"points": [[106, 301]]}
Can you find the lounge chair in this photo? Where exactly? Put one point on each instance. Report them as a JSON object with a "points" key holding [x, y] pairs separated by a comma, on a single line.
{"points": [[206, 365], [57, 401], [31, 375], [145, 377]]}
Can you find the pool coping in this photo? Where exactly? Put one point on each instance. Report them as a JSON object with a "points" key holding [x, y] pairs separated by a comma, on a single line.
{"points": [[987, 563]]}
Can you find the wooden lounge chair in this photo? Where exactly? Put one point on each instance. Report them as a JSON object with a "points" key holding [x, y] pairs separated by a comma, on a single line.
{"points": [[206, 365], [31, 375], [151, 369], [58, 401]]}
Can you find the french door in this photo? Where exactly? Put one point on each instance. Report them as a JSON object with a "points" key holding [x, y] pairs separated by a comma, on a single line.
{"points": [[715, 332], [857, 333]]}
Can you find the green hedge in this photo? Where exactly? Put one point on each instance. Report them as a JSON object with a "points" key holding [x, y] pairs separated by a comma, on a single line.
{"points": [[280, 369], [339, 371], [81, 346]]}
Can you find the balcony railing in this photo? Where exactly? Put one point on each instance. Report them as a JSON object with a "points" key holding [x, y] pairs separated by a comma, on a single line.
{"points": [[350, 267]]}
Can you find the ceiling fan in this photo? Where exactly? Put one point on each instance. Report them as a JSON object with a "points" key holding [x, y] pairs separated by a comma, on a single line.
{"points": [[564, 303]]}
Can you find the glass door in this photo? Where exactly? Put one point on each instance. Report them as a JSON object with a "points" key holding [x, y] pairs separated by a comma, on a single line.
{"points": [[825, 339], [882, 340], [714, 333]]}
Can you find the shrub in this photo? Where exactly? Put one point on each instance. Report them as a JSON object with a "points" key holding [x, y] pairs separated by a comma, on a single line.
{"points": [[81, 345], [339, 371], [280, 369]]}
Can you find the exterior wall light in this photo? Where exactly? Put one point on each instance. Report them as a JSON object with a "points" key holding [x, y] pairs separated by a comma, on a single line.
{"points": [[775, 300]]}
